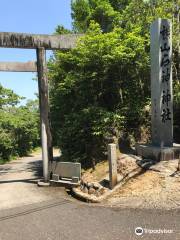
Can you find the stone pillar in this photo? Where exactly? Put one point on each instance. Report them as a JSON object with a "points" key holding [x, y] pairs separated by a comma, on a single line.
{"points": [[112, 158], [161, 83], [162, 147]]}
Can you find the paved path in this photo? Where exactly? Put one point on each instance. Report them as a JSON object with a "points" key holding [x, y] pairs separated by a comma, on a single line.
{"points": [[18, 183], [31, 213], [64, 220]]}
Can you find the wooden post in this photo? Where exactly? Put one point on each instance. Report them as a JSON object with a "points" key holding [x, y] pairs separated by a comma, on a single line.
{"points": [[46, 138], [112, 158]]}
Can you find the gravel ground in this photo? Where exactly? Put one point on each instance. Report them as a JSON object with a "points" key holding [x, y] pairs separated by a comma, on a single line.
{"points": [[158, 187]]}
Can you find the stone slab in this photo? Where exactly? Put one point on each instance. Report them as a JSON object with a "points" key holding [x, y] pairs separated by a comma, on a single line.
{"points": [[65, 183], [66, 169], [157, 153]]}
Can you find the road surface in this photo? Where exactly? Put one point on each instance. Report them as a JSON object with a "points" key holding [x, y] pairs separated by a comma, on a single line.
{"points": [[28, 212]]}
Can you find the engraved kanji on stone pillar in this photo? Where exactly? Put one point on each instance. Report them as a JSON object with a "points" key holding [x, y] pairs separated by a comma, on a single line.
{"points": [[161, 83]]}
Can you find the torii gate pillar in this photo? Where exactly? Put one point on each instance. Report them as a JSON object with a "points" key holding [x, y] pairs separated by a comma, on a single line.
{"points": [[46, 138]]}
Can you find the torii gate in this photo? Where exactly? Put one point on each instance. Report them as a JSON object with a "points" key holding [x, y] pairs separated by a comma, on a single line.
{"points": [[41, 43]]}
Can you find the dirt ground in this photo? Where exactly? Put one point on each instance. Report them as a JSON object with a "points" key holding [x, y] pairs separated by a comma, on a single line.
{"points": [[152, 189], [100, 172], [158, 187]]}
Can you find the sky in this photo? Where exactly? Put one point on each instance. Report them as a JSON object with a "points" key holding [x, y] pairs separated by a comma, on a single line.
{"points": [[35, 16]]}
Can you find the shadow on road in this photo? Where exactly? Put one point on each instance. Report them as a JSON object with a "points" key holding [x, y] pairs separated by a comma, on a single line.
{"points": [[30, 180], [36, 167], [27, 172]]}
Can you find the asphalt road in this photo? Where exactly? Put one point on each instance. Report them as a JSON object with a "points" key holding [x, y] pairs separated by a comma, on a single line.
{"points": [[18, 183], [31, 213], [65, 220]]}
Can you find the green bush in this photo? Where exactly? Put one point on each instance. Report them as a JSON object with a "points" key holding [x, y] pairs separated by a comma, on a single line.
{"points": [[6, 145], [19, 126], [93, 92], [100, 91]]}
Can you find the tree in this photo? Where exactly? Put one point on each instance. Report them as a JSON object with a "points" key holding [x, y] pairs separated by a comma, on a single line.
{"points": [[19, 125], [8, 97], [101, 90], [62, 30], [90, 95], [80, 14], [101, 11], [119, 5]]}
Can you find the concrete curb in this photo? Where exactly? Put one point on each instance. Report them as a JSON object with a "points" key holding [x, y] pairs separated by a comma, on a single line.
{"points": [[93, 199]]}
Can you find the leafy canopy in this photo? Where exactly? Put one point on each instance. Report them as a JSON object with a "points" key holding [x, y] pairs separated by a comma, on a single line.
{"points": [[100, 91]]}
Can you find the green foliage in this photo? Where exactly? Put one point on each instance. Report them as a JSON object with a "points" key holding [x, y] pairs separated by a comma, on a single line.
{"points": [[101, 89], [8, 97], [19, 126], [6, 144], [61, 30], [101, 11], [80, 14], [144, 13], [119, 5], [92, 91]]}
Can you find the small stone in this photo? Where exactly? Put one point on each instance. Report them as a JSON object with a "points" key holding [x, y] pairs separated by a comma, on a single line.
{"points": [[85, 190], [96, 186], [101, 190], [82, 182], [89, 185], [91, 191], [98, 194]]}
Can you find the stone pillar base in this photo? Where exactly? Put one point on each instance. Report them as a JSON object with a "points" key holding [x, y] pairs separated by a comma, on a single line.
{"points": [[158, 153]]}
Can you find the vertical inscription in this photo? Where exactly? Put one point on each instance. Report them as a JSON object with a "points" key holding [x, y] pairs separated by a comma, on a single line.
{"points": [[165, 50], [161, 83]]}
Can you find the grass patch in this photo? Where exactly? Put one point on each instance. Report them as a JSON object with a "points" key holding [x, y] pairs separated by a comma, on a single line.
{"points": [[101, 170], [3, 161], [36, 150]]}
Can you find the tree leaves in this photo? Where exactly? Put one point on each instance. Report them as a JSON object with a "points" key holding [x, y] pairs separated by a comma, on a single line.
{"points": [[19, 125], [100, 89]]}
